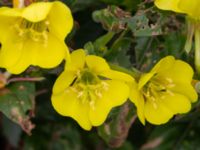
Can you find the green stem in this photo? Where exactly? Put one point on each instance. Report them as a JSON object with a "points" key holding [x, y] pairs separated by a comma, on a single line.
{"points": [[112, 49], [20, 79], [146, 49], [133, 71], [197, 50], [119, 38], [103, 40], [190, 34]]}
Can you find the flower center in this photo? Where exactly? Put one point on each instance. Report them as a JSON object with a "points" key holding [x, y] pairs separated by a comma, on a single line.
{"points": [[87, 77], [156, 88], [89, 87], [37, 31]]}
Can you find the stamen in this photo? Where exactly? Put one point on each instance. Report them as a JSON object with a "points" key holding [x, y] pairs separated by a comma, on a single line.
{"points": [[169, 80], [105, 85], [170, 92], [98, 93], [92, 104], [36, 31], [151, 98], [155, 105], [74, 89], [156, 89], [46, 23], [88, 87], [80, 94]]}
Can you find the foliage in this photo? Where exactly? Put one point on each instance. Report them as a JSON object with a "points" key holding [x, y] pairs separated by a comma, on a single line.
{"points": [[131, 35]]}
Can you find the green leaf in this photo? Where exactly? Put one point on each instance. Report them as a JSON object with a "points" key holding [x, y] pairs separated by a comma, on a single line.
{"points": [[111, 18], [174, 48], [15, 102], [103, 40], [89, 47], [140, 26], [99, 46], [118, 53]]}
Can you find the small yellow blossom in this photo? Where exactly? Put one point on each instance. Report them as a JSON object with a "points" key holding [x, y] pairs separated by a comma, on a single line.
{"points": [[189, 7], [165, 91], [88, 89], [34, 35]]}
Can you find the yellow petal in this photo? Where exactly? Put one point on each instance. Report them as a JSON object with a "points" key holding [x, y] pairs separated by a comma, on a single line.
{"points": [[185, 89], [178, 72], [177, 103], [11, 50], [116, 75], [97, 64], [180, 75], [28, 52], [191, 7], [5, 27], [67, 104], [140, 109], [63, 81], [116, 94], [77, 60], [22, 60], [61, 21], [137, 98], [144, 79], [10, 12], [134, 93], [156, 112], [163, 65], [50, 53], [168, 5], [37, 11]]}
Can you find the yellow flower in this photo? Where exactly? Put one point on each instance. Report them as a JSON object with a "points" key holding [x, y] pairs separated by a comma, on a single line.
{"points": [[88, 89], [165, 91], [189, 7], [34, 35]]}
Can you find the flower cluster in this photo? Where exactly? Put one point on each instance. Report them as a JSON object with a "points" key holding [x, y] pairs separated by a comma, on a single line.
{"points": [[88, 88]]}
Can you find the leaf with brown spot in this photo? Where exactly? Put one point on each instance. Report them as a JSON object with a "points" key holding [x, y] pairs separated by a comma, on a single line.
{"points": [[15, 102]]}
